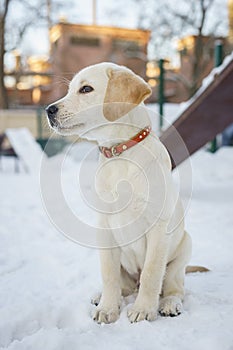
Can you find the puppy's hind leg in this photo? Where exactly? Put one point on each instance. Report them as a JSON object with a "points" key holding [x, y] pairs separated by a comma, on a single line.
{"points": [[173, 285]]}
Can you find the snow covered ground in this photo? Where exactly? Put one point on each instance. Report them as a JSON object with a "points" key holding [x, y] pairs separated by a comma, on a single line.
{"points": [[47, 281]]}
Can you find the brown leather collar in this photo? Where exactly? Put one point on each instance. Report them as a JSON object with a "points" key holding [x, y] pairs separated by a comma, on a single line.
{"points": [[119, 148]]}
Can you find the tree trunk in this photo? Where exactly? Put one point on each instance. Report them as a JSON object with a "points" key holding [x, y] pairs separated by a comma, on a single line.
{"points": [[197, 64], [3, 92]]}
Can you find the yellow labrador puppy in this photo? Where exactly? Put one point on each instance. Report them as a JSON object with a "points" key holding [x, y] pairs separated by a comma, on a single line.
{"points": [[144, 246]]}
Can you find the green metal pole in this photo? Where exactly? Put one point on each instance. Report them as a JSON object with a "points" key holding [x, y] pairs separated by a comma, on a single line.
{"points": [[218, 53], [161, 92], [39, 123], [218, 58]]}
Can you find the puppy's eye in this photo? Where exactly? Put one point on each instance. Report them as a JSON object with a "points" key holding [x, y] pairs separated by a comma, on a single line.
{"points": [[85, 89]]}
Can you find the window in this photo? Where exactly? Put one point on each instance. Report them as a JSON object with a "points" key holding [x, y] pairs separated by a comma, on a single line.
{"points": [[84, 41], [131, 46]]}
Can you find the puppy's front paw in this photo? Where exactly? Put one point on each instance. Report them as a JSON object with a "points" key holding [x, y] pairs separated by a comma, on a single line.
{"points": [[170, 306], [136, 314], [96, 300], [106, 315]]}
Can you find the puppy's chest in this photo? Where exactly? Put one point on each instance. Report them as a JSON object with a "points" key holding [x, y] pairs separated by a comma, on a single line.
{"points": [[121, 182], [122, 185], [133, 256]]}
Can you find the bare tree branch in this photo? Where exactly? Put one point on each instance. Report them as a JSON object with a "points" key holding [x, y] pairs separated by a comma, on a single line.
{"points": [[36, 15], [4, 9], [184, 17], [176, 19]]}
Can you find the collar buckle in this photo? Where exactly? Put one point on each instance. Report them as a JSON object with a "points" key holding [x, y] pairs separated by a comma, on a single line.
{"points": [[114, 151]]}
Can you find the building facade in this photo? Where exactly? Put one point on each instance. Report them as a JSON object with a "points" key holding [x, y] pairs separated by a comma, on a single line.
{"points": [[74, 47]]}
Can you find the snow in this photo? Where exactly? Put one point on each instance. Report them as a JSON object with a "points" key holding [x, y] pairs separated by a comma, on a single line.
{"points": [[25, 147], [47, 281], [216, 71]]}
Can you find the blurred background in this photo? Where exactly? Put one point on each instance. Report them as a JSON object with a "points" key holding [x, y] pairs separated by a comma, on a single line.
{"points": [[44, 43]]}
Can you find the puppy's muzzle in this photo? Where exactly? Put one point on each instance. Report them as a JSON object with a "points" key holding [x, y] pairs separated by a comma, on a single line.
{"points": [[52, 114]]}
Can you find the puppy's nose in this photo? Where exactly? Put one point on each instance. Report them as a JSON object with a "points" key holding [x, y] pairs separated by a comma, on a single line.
{"points": [[52, 113]]}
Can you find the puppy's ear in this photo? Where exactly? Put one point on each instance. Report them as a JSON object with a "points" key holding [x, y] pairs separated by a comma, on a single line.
{"points": [[125, 90]]}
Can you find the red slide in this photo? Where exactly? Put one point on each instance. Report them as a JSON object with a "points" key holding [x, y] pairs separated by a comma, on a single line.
{"points": [[209, 112]]}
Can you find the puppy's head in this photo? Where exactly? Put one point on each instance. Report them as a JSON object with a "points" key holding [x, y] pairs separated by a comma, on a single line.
{"points": [[98, 94]]}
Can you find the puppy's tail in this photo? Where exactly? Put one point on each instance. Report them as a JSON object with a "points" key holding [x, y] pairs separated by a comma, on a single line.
{"points": [[191, 269]]}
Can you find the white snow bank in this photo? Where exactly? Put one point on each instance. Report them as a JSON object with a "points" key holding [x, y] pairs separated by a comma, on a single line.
{"points": [[26, 147], [47, 281]]}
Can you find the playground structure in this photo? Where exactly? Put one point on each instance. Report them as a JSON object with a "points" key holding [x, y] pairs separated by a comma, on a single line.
{"points": [[207, 114]]}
